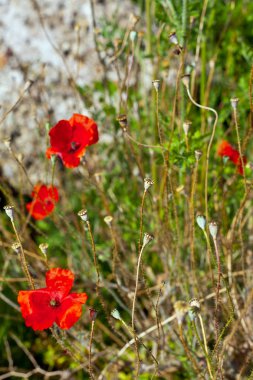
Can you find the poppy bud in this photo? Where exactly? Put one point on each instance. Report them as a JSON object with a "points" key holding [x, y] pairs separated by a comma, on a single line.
{"points": [[213, 228], [9, 211], [201, 221], [186, 126], [83, 215], [147, 183], [147, 239], [186, 80], [156, 84], [122, 119], [16, 247], [173, 38], [108, 220], [115, 314], [234, 102], [93, 314], [198, 154]]}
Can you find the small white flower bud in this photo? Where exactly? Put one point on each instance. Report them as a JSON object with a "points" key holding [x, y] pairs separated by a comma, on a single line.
{"points": [[213, 228], [9, 211], [173, 38], [186, 80], [201, 221], [83, 215], [186, 126], [115, 314], [147, 238], [147, 183]]}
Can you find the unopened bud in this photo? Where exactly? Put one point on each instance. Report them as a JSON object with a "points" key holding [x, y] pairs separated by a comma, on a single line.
{"points": [[83, 215], [186, 80], [147, 238], [186, 126], [147, 183], [115, 314], [173, 38], [122, 119], [201, 221], [93, 314], [234, 103], [198, 154], [156, 84], [108, 220], [213, 228], [9, 211]]}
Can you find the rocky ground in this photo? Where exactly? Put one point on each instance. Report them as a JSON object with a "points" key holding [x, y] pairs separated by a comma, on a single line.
{"points": [[47, 42]]}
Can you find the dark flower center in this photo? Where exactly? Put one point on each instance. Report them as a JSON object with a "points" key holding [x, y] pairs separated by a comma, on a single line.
{"points": [[54, 303], [74, 146]]}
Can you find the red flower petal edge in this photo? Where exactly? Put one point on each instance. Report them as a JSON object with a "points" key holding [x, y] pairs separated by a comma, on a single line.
{"points": [[44, 200], [70, 138], [226, 149], [41, 308]]}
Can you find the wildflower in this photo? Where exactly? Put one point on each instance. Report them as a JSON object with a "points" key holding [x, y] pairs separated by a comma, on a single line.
{"points": [[226, 150], [69, 139], [44, 200], [41, 308]]}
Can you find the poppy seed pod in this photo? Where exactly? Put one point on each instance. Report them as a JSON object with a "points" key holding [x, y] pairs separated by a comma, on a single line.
{"points": [[147, 238], [173, 38], [16, 247], [147, 183], [83, 215], [115, 314], [201, 221], [186, 126], [234, 103], [213, 229], [198, 154], [195, 305], [122, 119], [186, 80], [156, 84], [108, 220], [133, 35], [9, 210]]}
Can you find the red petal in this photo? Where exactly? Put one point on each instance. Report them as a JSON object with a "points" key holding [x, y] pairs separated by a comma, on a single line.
{"points": [[78, 297], [36, 309], [85, 130], [68, 313], [60, 136], [70, 160], [60, 281], [37, 210]]}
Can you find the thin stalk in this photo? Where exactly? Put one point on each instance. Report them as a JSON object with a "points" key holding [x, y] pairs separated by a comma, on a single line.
{"points": [[23, 259], [209, 146], [205, 346], [90, 345], [239, 145]]}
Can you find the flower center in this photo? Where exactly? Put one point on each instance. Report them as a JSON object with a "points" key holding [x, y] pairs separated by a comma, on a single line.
{"points": [[54, 303], [74, 146]]}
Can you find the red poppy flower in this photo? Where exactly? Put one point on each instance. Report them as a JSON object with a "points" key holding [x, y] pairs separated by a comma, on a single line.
{"points": [[225, 149], [44, 199], [41, 308], [69, 139]]}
